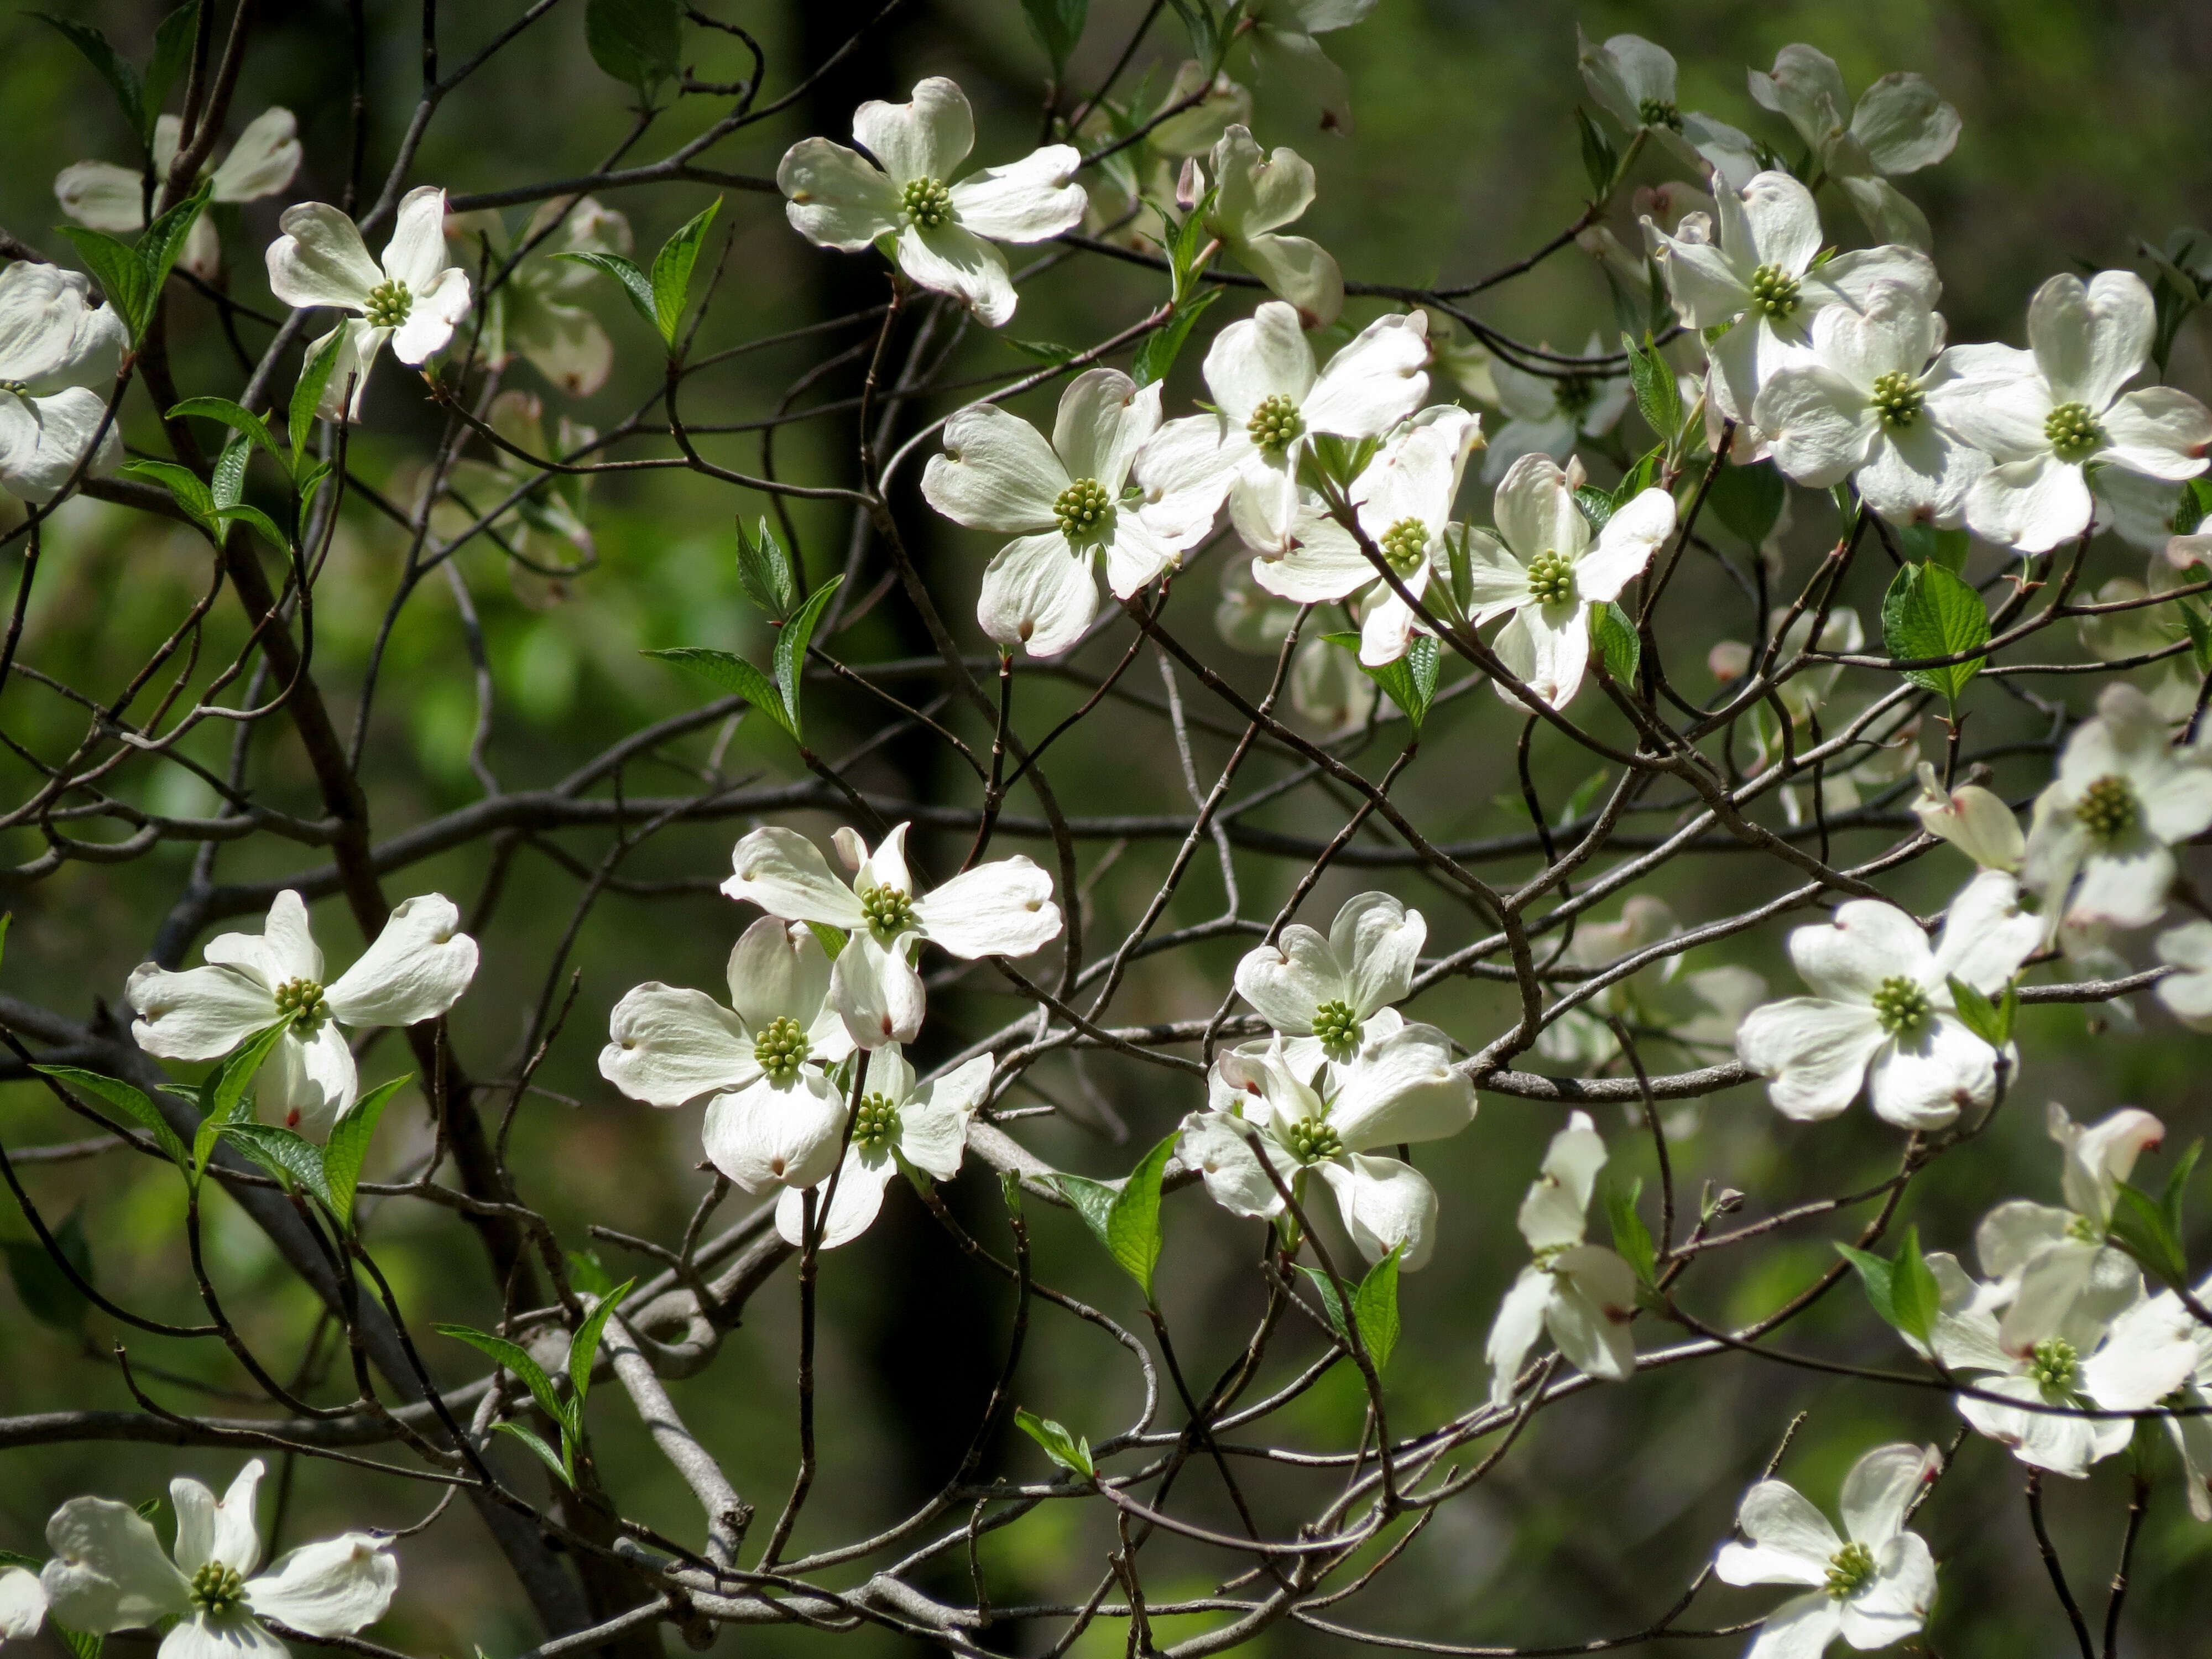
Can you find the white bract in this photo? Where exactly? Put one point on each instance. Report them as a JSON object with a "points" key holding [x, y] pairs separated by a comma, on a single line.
{"points": [[1751, 268], [2045, 414], [22, 1604], [1064, 501], [1551, 413], [904, 201], [1633, 79], [1972, 819], [1322, 994], [2124, 796], [1255, 195], [2192, 1434], [2187, 992], [51, 336], [1399, 1087], [113, 198], [1287, 59], [1002, 908], [1584, 1294], [1899, 126], [109, 1573], [411, 297], [776, 1116], [1882, 1012], [1871, 1586], [1546, 569], [415, 970], [533, 312], [922, 1130]]}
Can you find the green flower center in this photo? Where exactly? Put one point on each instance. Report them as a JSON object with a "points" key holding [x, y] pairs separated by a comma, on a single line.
{"points": [[1849, 1568], [15, 388], [1338, 1027], [781, 1049], [2073, 432], [303, 999], [1574, 394], [1276, 424], [1084, 508], [876, 1125], [1552, 578], [1774, 292], [218, 1590], [2052, 1364], [1901, 1007], [889, 911], [928, 203], [389, 304], [1659, 112], [1312, 1139], [1405, 543], [2108, 808], [1897, 398], [2085, 1227]]}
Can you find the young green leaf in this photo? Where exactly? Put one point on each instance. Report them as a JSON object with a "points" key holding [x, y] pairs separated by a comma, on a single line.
{"points": [[1164, 343], [1658, 399], [1374, 1309], [121, 75], [260, 522], [1631, 1239], [2200, 634], [1748, 501], [1599, 160], [135, 1105], [1063, 1448], [516, 1358], [1091, 1200], [764, 571], [1332, 1302], [289, 1157], [2140, 1226], [172, 50], [584, 1349], [1614, 634], [230, 1092], [1132, 1225], [307, 395], [1876, 1275], [234, 415], [185, 486], [1596, 505], [790, 659], [158, 249], [116, 266], [672, 271], [638, 42], [1930, 612], [545, 1453], [727, 671], [636, 285], [1048, 352], [227, 479], [1411, 680], [588, 1274], [1990, 1021], [1914, 1298], [348, 1147], [1056, 24], [1923, 543]]}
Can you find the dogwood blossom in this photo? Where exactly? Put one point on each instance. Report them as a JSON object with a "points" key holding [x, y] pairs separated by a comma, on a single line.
{"points": [[775, 1115], [533, 313], [22, 1604], [2122, 796], [1320, 994], [1399, 1087], [416, 969], [1066, 504], [411, 297], [1633, 80], [1581, 1293], [900, 1126], [2047, 414], [1255, 195], [109, 1573], [905, 203], [1871, 1586], [1550, 413], [1004, 907], [2193, 1432], [1972, 819], [1546, 569], [51, 336], [1900, 125], [2187, 992], [1287, 59], [261, 163], [1882, 1011]]}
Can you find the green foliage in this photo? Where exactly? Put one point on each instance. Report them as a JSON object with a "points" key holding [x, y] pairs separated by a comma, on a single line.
{"points": [[765, 572], [1064, 1448], [292, 1158], [1613, 632], [779, 699], [1658, 399], [1125, 1218], [307, 396], [1924, 544], [347, 1149], [672, 270], [1990, 1021], [131, 273], [1374, 1307], [1900, 1289], [133, 1103], [1930, 612], [2152, 1230], [223, 1100], [47, 1293], [1056, 26], [639, 42], [1749, 499], [1601, 161], [567, 1414], [1411, 680], [1631, 1239], [1164, 343], [139, 96]]}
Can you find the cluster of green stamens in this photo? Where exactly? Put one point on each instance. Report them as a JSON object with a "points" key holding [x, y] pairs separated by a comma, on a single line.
{"points": [[2052, 1364], [1574, 394], [1848, 1568], [2073, 432], [1774, 292], [1659, 112], [1276, 424], [1083, 507], [2086, 1228], [303, 999], [1897, 398], [1404, 544], [1312, 1139], [927, 202], [876, 1124], [218, 1590], [781, 1048], [1337, 1025], [1552, 578], [1901, 1007], [888, 910], [2108, 808], [18, 388], [389, 304]]}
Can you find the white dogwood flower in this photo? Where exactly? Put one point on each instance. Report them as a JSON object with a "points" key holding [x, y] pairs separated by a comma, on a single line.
{"points": [[1064, 501], [2123, 798], [415, 970], [109, 197], [533, 313], [1871, 1586], [1257, 194], [1400, 1087], [775, 1115], [1751, 268], [2045, 414], [904, 201], [1002, 908], [2187, 992], [1548, 570], [2192, 1433], [1581, 1293], [1321, 994], [1883, 1010], [1550, 413], [1899, 126], [22, 1604], [1972, 819], [1289, 62], [411, 297], [109, 1573], [51, 336], [1633, 79], [922, 1130]]}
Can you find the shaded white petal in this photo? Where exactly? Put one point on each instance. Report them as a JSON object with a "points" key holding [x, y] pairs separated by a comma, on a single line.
{"points": [[785, 873], [1625, 546], [666, 1046], [22, 1604], [1903, 124], [1002, 908], [1590, 1310], [237, 1636], [1298, 270], [927, 137], [1261, 357], [1323, 562], [777, 971], [876, 992], [997, 473], [2160, 432], [263, 161], [1923, 1082], [1379, 942], [306, 1083], [1815, 1053], [202, 1014], [438, 308], [333, 1588], [1535, 512], [109, 1571], [1039, 593], [1024, 201], [1520, 1321], [284, 948], [766, 1135], [1986, 935], [1384, 1205], [1880, 1487], [1213, 1143], [1784, 225], [853, 1207], [1552, 1213], [43, 440], [1792, 1541], [1801, 1628], [320, 259], [952, 259], [1868, 941], [102, 195], [835, 197], [933, 1125], [417, 968], [1376, 381], [1893, 1604], [1102, 421], [1402, 1087], [1288, 980], [2090, 338], [1822, 425]]}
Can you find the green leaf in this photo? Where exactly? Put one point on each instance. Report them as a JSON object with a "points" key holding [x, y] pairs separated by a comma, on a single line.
{"points": [[2200, 634], [2140, 1227], [2195, 502], [1049, 352], [141, 1110], [258, 520], [1924, 544], [831, 939], [1990, 1021], [1184, 246], [238, 1071], [1749, 499], [172, 49], [584, 1348], [226, 482], [164, 240], [1596, 505], [1914, 1298], [764, 571], [1164, 343], [306, 394], [46, 1291], [545, 1453], [588, 1274], [1411, 680], [637, 286], [727, 671], [1332, 1302], [1658, 399], [1930, 612], [234, 415], [286, 1155], [1375, 1307], [121, 75], [348, 1147], [2177, 1184], [1614, 634], [116, 266], [516, 1358], [1132, 1225], [790, 659], [1091, 1200], [671, 270], [1056, 24], [639, 42], [1338, 460], [185, 486], [1063, 1448], [1198, 21], [1600, 160], [1875, 1274], [1631, 1239]]}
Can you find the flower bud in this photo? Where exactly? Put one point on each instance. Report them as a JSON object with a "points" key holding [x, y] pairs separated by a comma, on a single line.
{"points": [[1729, 661], [1972, 820], [1190, 185]]}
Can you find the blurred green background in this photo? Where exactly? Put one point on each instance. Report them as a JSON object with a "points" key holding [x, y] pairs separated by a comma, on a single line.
{"points": [[2085, 130]]}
